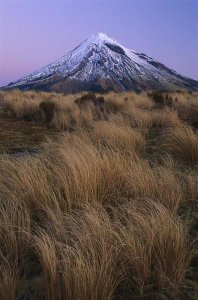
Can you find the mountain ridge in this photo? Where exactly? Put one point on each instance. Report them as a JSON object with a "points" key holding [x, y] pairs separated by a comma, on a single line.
{"points": [[100, 63]]}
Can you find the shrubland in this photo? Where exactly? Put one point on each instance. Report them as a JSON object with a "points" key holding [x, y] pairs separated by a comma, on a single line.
{"points": [[106, 207]]}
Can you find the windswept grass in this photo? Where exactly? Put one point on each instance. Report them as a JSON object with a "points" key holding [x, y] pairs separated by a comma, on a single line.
{"points": [[183, 143], [106, 209]]}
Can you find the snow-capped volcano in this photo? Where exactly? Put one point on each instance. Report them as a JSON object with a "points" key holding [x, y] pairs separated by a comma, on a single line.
{"points": [[101, 63]]}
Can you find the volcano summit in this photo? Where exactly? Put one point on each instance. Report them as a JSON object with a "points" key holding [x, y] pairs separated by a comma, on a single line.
{"points": [[102, 64]]}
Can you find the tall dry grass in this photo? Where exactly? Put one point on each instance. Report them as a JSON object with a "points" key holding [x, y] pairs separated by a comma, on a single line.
{"points": [[183, 143], [92, 215]]}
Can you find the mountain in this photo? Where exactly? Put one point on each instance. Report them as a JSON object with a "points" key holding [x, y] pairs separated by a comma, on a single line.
{"points": [[102, 64]]}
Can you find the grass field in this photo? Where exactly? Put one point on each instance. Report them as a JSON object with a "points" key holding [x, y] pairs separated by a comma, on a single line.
{"points": [[101, 203]]}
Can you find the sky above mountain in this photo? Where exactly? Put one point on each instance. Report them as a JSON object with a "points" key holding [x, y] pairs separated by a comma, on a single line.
{"points": [[34, 33]]}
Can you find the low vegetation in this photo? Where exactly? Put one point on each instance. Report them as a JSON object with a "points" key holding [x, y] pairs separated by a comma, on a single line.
{"points": [[105, 207]]}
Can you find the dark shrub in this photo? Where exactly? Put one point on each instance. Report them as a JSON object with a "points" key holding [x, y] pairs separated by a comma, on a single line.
{"points": [[48, 107], [89, 96], [168, 101], [86, 100], [100, 101], [97, 102], [161, 100], [157, 97], [100, 104]]}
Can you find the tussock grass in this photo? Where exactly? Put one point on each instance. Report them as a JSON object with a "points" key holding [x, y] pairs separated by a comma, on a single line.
{"points": [[119, 137], [183, 143], [153, 237], [93, 215]]}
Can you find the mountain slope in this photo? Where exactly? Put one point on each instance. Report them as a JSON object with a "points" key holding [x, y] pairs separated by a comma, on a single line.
{"points": [[101, 63]]}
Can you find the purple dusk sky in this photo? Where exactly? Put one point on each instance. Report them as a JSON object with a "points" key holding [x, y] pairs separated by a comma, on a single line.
{"points": [[34, 33]]}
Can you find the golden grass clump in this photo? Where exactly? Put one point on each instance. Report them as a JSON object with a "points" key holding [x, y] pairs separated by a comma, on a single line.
{"points": [[152, 238], [182, 142], [119, 137]]}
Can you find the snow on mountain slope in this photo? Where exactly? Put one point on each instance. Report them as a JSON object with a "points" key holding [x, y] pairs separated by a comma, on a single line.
{"points": [[101, 62]]}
